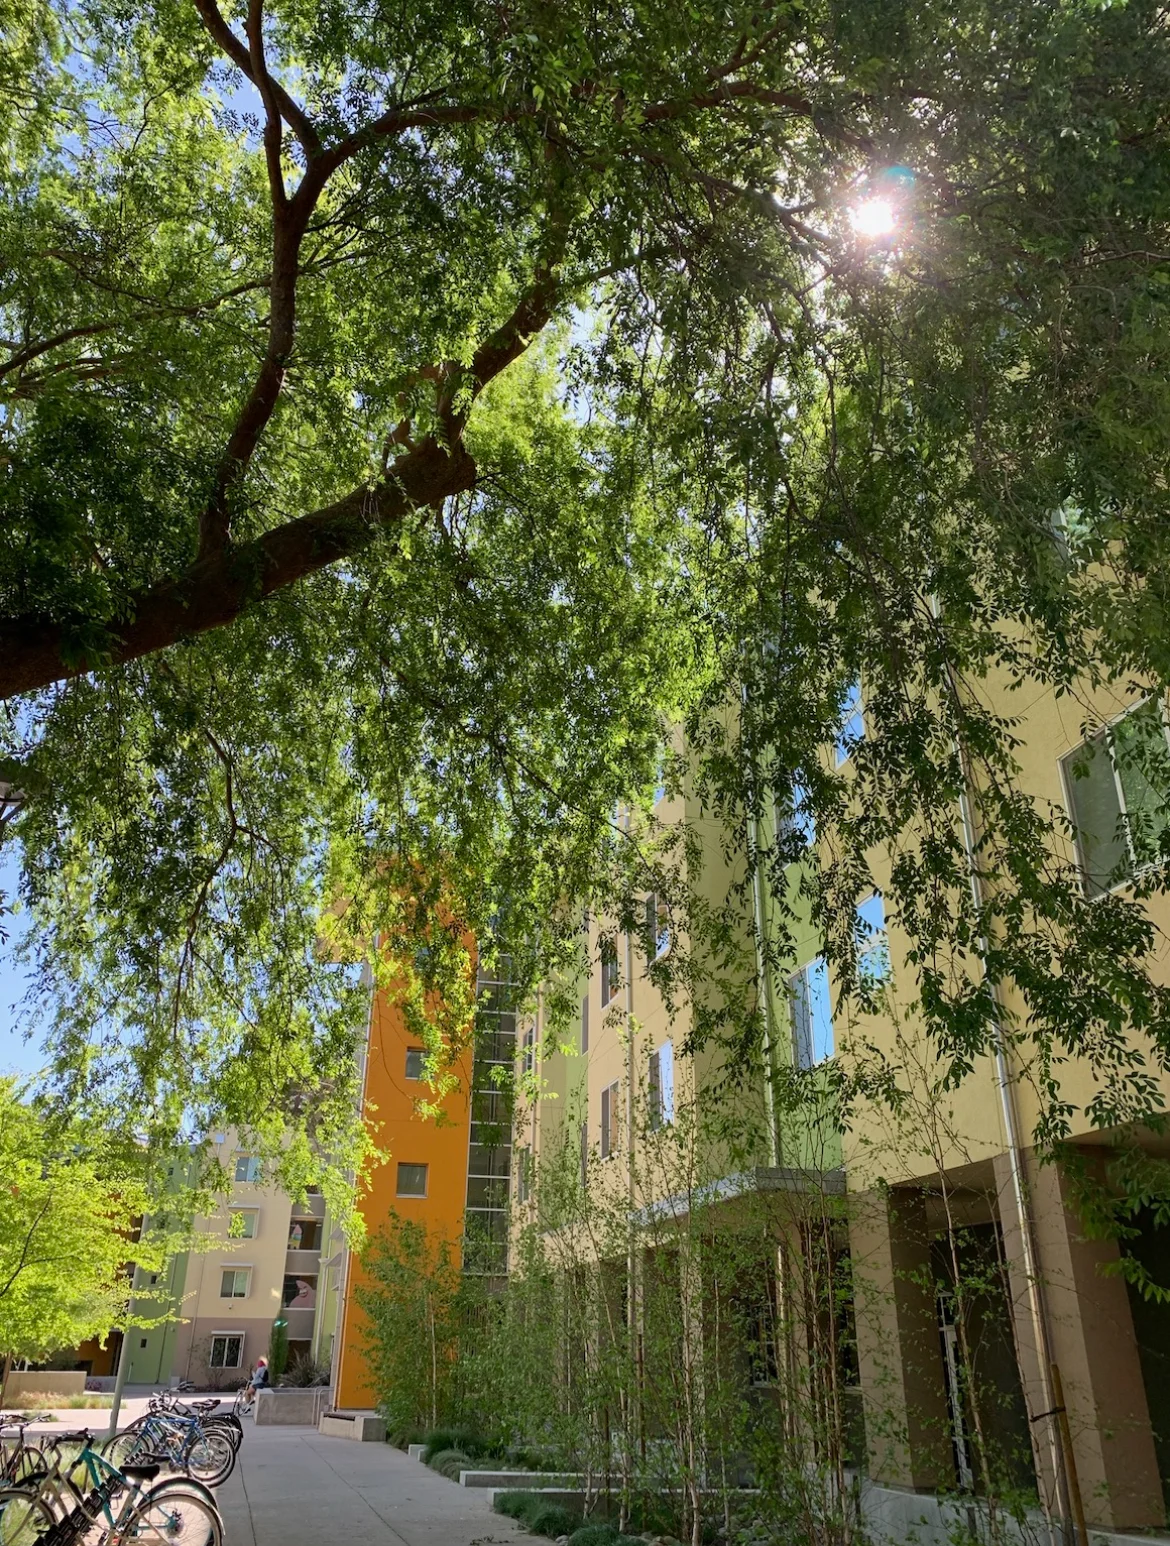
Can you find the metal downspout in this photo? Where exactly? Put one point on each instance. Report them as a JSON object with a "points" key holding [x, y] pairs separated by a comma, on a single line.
{"points": [[763, 987]]}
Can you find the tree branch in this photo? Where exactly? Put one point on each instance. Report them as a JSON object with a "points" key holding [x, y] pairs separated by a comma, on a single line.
{"points": [[296, 118], [35, 652], [273, 135]]}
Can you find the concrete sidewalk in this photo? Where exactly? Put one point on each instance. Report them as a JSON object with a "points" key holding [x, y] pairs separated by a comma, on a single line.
{"points": [[294, 1488]]}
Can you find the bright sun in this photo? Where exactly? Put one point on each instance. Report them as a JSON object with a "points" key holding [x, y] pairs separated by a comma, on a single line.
{"points": [[873, 217]]}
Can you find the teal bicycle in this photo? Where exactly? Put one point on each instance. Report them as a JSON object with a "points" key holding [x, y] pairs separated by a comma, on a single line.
{"points": [[83, 1497]]}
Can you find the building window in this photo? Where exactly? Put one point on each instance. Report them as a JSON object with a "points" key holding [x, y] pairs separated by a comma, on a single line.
{"points": [[234, 1283], [415, 1057], [523, 1174], [412, 1180], [243, 1225], [812, 1014], [1118, 782], [795, 825], [585, 1152], [609, 1119], [657, 927], [609, 970], [850, 724], [528, 1049], [873, 945], [585, 1024], [661, 1083], [227, 1350], [249, 1167]]}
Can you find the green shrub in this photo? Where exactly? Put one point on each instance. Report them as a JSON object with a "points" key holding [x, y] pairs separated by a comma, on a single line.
{"points": [[513, 1504], [453, 1438], [403, 1438], [538, 1514], [449, 1463], [552, 1519], [594, 1535]]}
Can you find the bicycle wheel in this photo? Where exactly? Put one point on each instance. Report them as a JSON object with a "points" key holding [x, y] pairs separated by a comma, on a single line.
{"points": [[212, 1458], [125, 1445], [168, 1516], [231, 1431], [189, 1485], [23, 1517]]}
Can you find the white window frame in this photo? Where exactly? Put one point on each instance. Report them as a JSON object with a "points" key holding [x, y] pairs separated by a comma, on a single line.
{"points": [[228, 1336], [1067, 781], [610, 1120], [610, 962], [659, 935], [661, 1091], [877, 940], [248, 1160], [246, 1213], [812, 1061], [236, 1267], [843, 751]]}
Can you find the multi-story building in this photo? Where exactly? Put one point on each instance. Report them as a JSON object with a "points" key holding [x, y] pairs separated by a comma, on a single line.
{"points": [[261, 1261], [257, 1257], [982, 1303]]}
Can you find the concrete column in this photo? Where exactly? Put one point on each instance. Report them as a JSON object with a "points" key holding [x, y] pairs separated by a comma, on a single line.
{"points": [[907, 1420], [1094, 1345]]}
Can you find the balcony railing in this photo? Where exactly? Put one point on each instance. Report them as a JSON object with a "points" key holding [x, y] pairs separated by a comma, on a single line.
{"points": [[302, 1261], [313, 1207], [300, 1324]]}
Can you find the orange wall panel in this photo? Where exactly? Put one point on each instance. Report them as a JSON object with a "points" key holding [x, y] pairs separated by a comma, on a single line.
{"points": [[439, 1143]]}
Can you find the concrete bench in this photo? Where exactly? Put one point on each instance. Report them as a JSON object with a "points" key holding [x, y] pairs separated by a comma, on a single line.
{"points": [[299, 1408], [364, 1427]]}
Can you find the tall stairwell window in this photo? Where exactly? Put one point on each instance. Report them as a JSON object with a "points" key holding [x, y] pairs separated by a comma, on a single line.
{"points": [[1118, 787], [812, 1014]]}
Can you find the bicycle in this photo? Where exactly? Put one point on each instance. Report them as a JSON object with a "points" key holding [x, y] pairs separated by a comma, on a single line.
{"points": [[60, 1512], [206, 1412], [20, 1461], [205, 1452]]}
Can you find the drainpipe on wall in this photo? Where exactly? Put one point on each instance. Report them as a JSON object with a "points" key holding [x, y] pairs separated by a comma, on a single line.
{"points": [[763, 986], [1037, 1299]]}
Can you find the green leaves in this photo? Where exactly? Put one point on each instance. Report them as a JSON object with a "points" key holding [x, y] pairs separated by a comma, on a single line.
{"points": [[420, 606]]}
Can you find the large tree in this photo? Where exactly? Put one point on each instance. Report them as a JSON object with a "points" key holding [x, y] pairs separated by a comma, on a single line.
{"points": [[410, 410]]}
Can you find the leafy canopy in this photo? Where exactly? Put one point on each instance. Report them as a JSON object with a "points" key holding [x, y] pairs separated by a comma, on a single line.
{"points": [[412, 410]]}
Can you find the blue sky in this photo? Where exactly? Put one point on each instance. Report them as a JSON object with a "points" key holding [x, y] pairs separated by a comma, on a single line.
{"points": [[16, 1055]]}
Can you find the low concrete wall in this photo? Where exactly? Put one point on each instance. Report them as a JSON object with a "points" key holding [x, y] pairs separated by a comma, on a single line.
{"points": [[567, 1497], [48, 1382], [290, 1408], [895, 1518], [364, 1427], [522, 1481]]}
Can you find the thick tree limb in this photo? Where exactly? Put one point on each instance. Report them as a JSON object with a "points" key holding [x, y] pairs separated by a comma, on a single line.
{"points": [[216, 590]]}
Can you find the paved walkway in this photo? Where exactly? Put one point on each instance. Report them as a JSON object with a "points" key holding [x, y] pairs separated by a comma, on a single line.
{"points": [[294, 1488]]}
